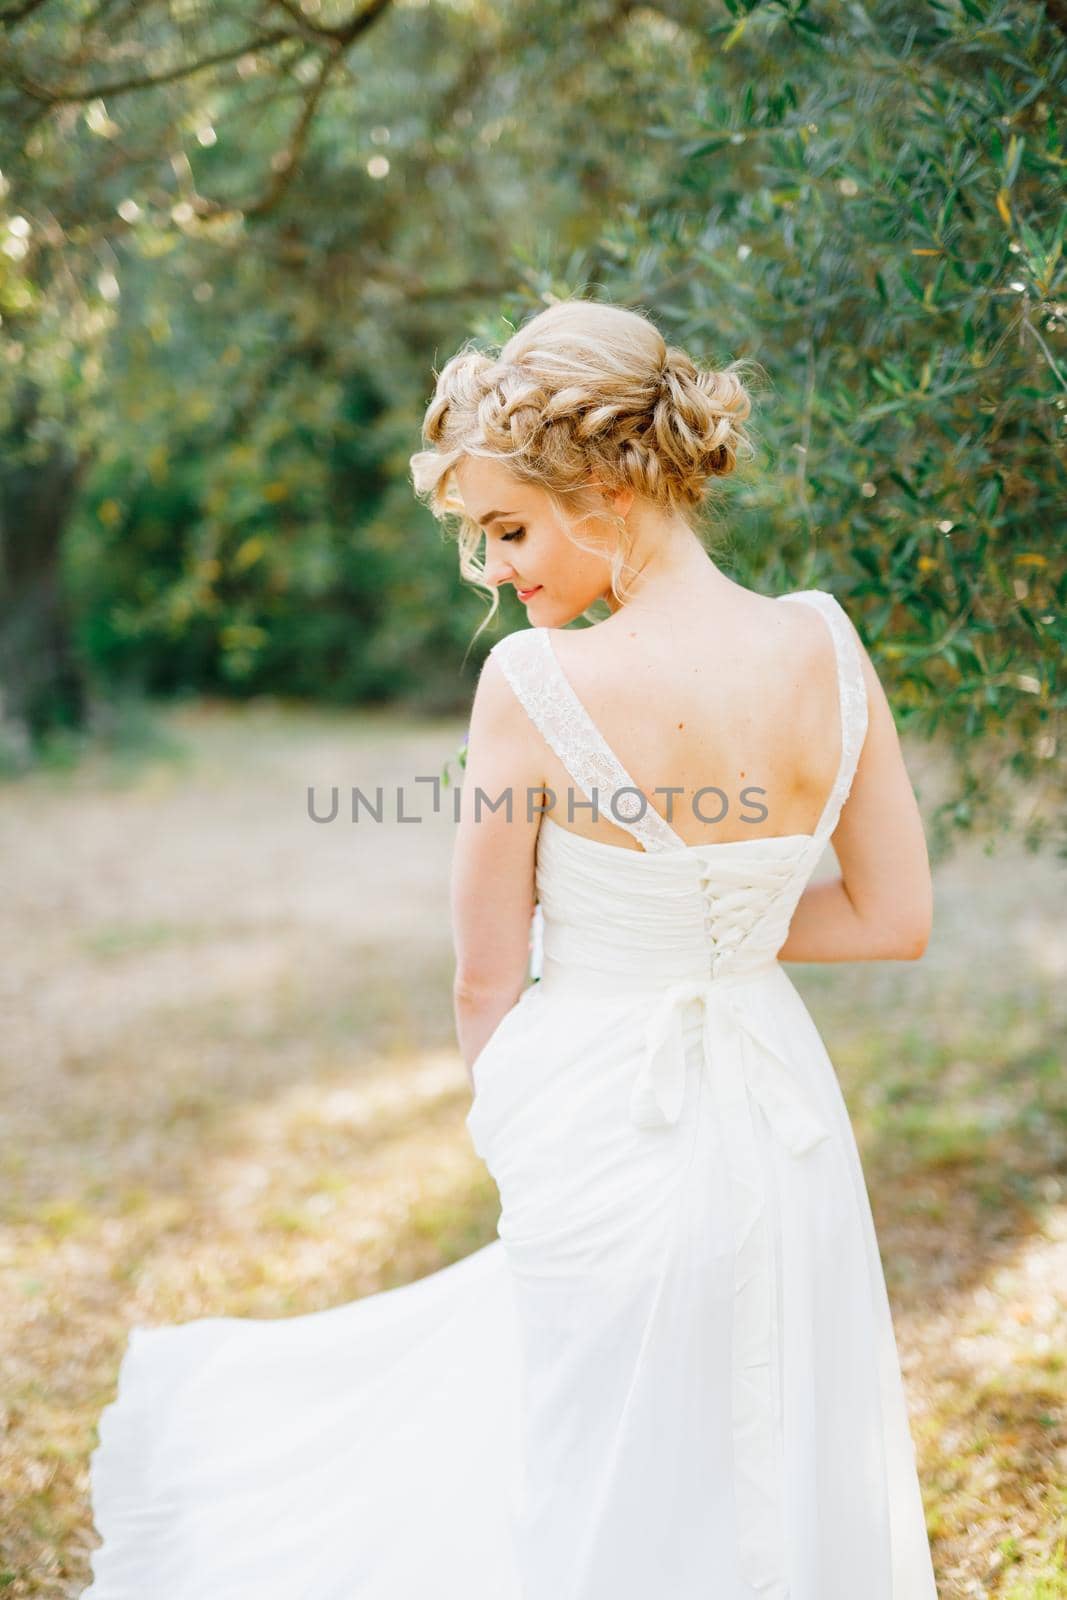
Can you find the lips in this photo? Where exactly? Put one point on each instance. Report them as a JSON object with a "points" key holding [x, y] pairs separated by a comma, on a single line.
{"points": [[524, 594]]}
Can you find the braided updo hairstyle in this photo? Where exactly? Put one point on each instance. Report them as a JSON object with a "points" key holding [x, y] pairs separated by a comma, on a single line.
{"points": [[584, 390]]}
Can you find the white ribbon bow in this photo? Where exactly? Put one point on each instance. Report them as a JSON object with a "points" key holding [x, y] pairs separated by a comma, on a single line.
{"points": [[660, 1087]]}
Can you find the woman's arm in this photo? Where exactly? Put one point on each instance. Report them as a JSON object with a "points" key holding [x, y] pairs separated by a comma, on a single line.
{"points": [[881, 906], [493, 863]]}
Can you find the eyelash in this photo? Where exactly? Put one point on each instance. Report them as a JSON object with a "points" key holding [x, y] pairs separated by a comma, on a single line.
{"points": [[516, 534]]}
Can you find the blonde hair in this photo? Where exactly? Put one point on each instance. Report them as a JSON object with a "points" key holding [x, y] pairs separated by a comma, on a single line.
{"points": [[582, 390]]}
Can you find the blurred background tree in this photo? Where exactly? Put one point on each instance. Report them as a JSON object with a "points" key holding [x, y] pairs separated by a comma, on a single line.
{"points": [[235, 244]]}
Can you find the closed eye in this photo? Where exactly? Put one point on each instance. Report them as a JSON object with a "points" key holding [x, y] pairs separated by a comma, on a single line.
{"points": [[516, 534]]}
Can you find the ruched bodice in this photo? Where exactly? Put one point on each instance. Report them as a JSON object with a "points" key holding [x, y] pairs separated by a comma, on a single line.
{"points": [[699, 912]]}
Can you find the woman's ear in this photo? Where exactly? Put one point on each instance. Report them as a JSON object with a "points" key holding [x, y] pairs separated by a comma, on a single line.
{"points": [[620, 500]]}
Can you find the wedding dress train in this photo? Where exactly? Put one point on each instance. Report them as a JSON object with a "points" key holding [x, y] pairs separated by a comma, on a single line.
{"points": [[672, 1376]]}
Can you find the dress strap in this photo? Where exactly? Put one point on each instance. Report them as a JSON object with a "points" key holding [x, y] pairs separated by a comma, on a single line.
{"points": [[852, 701], [532, 668]]}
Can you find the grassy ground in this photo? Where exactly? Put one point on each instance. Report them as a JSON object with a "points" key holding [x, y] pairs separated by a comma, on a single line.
{"points": [[230, 1086]]}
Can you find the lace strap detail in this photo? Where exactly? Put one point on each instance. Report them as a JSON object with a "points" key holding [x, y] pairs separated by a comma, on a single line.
{"points": [[530, 664], [852, 701]]}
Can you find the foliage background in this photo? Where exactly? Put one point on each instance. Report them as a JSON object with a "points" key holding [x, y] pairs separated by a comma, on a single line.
{"points": [[237, 243]]}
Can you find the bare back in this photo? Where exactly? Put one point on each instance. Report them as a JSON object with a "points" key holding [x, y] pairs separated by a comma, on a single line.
{"points": [[727, 721]]}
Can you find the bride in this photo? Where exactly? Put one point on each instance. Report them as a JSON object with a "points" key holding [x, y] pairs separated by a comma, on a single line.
{"points": [[673, 1375]]}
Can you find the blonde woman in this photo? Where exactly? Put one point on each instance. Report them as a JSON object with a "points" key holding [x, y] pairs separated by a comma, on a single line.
{"points": [[673, 1376]]}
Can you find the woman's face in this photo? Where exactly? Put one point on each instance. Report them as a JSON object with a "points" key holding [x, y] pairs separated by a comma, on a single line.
{"points": [[525, 544]]}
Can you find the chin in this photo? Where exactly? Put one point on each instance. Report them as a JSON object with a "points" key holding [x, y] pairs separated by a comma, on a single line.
{"points": [[554, 613], [568, 612]]}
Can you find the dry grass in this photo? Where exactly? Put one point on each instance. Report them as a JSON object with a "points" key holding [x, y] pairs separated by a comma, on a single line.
{"points": [[231, 1087]]}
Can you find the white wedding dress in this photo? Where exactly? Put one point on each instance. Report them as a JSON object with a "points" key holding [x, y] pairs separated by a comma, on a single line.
{"points": [[673, 1376]]}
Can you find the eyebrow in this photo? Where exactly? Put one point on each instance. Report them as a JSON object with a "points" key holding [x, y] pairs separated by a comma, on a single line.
{"points": [[494, 516]]}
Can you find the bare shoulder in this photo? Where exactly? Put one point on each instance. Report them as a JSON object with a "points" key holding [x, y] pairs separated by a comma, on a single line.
{"points": [[503, 744], [739, 636], [496, 706], [785, 644], [802, 625]]}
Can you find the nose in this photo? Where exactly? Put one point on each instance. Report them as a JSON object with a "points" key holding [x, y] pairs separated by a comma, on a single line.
{"points": [[498, 571]]}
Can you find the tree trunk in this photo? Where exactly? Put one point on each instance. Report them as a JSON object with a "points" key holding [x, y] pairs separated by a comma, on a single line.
{"points": [[42, 684]]}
